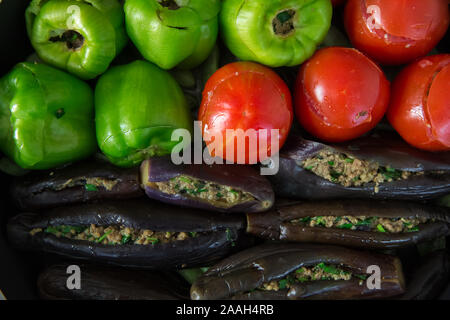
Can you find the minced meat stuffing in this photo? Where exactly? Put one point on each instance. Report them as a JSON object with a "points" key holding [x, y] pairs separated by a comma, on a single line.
{"points": [[91, 184], [114, 234], [224, 196], [364, 223], [318, 272], [351, 172]]}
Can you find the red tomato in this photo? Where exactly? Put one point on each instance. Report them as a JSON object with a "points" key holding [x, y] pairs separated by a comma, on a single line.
{"points": [[340, 94], [245, 95], [394, 32], [420, 103]]}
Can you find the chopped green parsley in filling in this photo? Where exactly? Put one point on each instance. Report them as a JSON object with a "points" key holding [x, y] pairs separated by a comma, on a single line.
{"points": [[90, 184], [219, 195], [351, 172], [363, 223], [318, 272], [114, 234]]}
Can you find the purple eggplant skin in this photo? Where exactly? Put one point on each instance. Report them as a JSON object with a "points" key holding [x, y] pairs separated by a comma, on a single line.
{"points": [[275, 224], [45, 189], [293, 181], [110, 283], [238, 275], [241, 177], [429, 279], [218, 235]]}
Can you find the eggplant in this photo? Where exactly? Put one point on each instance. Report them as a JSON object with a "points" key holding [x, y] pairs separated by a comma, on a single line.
{"points": [[109, 283], [223, 188], [282, 223], [430, 172], [206, 237], [429, 279], [86, 181], [250, 273]]}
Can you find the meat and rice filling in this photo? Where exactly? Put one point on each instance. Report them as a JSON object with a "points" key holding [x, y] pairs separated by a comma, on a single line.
{"points": [[219, 195], [363, 223], [115, 234], [351, 172], [90, 184], [318, 272]]}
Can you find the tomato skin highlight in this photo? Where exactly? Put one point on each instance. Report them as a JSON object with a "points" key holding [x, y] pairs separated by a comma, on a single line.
{"points": [[245, 95], [420, 104], [340, 94], [395, 32]]}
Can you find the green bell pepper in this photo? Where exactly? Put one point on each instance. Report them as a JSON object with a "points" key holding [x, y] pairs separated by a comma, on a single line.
{"points": [[137, 107], [46, 117], [277, 32], [173, 33], [80, 36]]}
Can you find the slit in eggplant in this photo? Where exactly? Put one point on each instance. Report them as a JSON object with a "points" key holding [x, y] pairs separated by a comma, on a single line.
{"points": [[115, 234], [90, 184], [218, 195], [352, 172], [364, 223], [319, 272]]}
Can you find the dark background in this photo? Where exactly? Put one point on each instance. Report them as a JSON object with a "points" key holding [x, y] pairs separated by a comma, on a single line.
{"points": [[17, 272]]}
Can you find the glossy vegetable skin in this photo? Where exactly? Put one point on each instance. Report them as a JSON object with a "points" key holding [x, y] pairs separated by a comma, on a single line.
{"points": [[277, 224], [173, 33], [237, 177], [237, 276], [216, 237], [246, 96], [82, 37], [137, 107], [294, 181], [340, 94], [420, 106], [46, 117], [86, 181], [396, 32], [275, 33], [108, 283]]}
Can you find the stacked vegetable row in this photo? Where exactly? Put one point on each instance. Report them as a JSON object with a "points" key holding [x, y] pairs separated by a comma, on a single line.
{"points": [[349, 201]]}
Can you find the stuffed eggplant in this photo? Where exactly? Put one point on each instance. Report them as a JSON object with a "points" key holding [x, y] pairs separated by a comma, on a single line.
{"points": [[377, 166], [141, 234], [368, 223], [224, 188], [81, 182], [293, 271], [107, 283]]}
